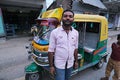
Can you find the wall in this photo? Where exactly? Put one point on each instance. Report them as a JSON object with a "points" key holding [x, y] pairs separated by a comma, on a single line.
{"points": [[2, 32]]}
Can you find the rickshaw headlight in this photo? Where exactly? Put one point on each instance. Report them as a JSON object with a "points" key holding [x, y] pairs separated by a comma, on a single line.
{"points": [[43, 55], [43, 59]]}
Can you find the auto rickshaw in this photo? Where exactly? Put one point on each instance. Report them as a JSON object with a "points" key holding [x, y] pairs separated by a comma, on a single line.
{"points": [[92, 48]]}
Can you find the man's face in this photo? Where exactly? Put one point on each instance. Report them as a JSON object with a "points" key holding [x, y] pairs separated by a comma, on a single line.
{"points": [[67, 18]]}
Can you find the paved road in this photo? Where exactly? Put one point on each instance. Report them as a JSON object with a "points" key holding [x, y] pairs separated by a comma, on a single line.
{"points": [[90, 73], [13, 59]]}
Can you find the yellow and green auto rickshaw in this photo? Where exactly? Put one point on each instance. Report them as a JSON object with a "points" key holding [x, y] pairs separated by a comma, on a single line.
{"points": [[93, 36]]}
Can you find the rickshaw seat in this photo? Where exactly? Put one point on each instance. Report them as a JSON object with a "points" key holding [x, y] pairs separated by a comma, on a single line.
{"points": [[88, 50], [91, 40]]}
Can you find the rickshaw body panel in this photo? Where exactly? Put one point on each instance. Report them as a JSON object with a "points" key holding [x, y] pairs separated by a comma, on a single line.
{"points": [[39, 47], [33, 68]]}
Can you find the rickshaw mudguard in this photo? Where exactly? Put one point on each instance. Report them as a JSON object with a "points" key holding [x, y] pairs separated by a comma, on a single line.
{"points": [[104, 56], [33, 68]]}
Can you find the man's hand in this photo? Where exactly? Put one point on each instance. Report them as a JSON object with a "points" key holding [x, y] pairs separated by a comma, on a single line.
{"points": [[75, 65], [52, 70]]}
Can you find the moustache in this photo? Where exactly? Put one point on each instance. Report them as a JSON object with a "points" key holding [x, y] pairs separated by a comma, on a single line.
{"points": [[67, 23]]}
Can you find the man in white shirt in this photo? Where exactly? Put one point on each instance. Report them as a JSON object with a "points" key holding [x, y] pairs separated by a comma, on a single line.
{"points": [[63, 48]]}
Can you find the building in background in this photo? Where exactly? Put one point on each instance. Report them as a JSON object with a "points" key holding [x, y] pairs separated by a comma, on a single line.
{"points": [[19, 15], [88, 6], [113, 13]]}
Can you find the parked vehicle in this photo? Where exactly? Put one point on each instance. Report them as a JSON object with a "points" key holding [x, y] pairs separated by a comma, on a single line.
{"points": [[93, 35]]}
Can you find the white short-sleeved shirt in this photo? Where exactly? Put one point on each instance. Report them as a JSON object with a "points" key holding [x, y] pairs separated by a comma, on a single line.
{"points": [[63, 45]]}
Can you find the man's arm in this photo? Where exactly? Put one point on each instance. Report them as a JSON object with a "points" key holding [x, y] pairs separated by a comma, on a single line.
{"points": [[51, 62], [76, 55], [51, 59], [51, 52], [75, 59], [76, 48], [51, 49]]}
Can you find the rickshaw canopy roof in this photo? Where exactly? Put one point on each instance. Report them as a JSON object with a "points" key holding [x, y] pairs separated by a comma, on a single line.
{"points": [[89, 18]]}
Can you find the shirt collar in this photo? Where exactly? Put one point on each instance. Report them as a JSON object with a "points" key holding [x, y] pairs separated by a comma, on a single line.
{"points": [[63, 29]]}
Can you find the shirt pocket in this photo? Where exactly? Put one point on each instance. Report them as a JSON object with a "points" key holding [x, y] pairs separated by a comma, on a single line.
{"points": [[73, 40], [60, 40]]}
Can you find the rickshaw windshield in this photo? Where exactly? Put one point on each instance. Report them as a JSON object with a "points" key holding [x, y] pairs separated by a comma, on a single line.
{"points": [[46, 26], [44, 32], [43, 35]]}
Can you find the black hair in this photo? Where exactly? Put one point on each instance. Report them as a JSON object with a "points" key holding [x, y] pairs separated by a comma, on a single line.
{"points": [[118, 36], [68, 10]]}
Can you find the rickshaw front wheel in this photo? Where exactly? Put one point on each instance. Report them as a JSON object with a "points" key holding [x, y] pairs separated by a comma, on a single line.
{"points": [[100, 64], [32, 76]]}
